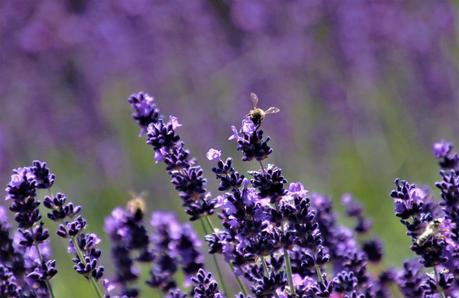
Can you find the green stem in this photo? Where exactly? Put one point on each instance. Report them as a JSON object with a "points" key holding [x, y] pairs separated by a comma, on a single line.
{"points": [[238, 280], [319, 273], [219, 273], [93, 282], [209, 222], [265, 267], [440, 290], [289, 271], [288, 265], [48, 284], [262, 167]]}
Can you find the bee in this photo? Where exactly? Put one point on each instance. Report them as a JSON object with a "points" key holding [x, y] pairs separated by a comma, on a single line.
{"points": [[136, 204], [432, 230], [256, 114]]}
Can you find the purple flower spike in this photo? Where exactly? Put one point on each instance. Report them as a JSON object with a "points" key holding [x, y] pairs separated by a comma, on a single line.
{"points": [[12, 262], [185, 175], [22, 185], [87, 265], [31, 237], [130, 243], [145, 110], [174, 245]]}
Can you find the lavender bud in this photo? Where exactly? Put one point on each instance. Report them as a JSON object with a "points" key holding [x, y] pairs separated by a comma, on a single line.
{"points": [[145, 110], [205, 286], [43, 177]]}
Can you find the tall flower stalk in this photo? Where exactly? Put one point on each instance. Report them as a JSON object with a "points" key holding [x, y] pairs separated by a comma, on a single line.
{"points": [[22, 191], [186, 175], [82, 245]]}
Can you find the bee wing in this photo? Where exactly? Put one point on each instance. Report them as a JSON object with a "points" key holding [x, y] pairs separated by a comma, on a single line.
{"points": [[272, 110], [254, 100]]}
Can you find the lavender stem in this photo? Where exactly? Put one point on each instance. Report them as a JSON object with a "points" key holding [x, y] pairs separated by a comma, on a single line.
{"points": [[265, 267], [319, 273], [288, 266], [91, 279], [266, 271], [48, 284], [440, 290], [219, 273], [262, 167]]}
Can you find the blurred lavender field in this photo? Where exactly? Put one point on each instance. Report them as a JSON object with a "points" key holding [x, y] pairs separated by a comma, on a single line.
{"points": [[364, 88]]}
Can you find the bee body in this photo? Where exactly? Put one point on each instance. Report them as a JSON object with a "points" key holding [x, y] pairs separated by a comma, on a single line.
{"points": [[257, 114], [432, 230], [136, 205]]}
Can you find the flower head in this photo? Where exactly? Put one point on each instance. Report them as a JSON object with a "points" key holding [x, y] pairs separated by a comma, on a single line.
{"points": [[42, 175], [145, 110], [213, 154], [205, 286]]}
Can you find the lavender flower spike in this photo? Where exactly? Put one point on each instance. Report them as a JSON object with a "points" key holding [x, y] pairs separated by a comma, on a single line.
{"points": [[174, 245], [145, 110], [186, 176], [22, 191], [83, 246], [11, 263], [130, 243]]}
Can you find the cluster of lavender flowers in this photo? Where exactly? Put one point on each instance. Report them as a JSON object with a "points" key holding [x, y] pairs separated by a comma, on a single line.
{"points": [[281, 241], [170, 246], [26, 264], [278, 239], [433, 227]]}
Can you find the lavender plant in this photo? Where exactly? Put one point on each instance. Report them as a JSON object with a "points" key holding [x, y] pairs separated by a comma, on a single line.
{"points": [[278, 239], [130, 243], [32, 241], [282, 241], [33, 236]]}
